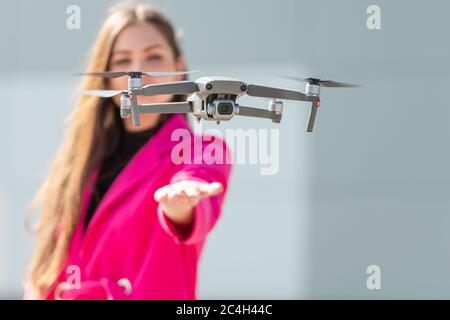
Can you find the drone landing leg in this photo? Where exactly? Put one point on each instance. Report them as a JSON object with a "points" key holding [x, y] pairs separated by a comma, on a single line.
{"points": [[135, 116], [312, 116]]}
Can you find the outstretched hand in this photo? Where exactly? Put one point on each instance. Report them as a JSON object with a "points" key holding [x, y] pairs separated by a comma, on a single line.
{"points": [[179, 199]]}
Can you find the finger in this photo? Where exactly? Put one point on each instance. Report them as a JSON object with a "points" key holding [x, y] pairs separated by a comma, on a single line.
{"points": [[182, 199], [186, 192], [172, 194], [168, 191], [192, 191], [210, 189], [174, 189], [161, 194], [179, 199]]}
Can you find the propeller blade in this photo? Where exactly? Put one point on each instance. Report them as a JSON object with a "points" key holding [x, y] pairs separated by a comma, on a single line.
{"points": [[166, 74], [178, 87], [324, 83], [335, 84], [275, 93], [117, 74], [101, 93], [294, 78], [106, 74]]}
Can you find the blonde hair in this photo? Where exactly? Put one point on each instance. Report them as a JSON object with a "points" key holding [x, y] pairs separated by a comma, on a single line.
{"points": [[92, 129]]}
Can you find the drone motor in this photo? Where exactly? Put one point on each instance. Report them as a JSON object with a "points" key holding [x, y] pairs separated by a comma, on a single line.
{"points": [[135, 82], [125, 106], [312, 87], [276, 106]]}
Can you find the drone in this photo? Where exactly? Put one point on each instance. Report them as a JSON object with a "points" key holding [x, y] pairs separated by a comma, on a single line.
{"points": [[211, 98]]}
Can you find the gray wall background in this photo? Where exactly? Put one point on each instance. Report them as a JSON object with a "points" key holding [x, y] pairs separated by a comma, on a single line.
{"points": [[369, 186]]}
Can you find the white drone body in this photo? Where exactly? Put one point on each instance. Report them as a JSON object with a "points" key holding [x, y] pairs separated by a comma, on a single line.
{"points": [[210, 98]]}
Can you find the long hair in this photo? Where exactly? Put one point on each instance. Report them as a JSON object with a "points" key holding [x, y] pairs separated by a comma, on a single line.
{"points": [[92, 131]]}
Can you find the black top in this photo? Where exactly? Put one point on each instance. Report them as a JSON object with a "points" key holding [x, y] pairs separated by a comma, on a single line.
{"points": [[129, 144]]}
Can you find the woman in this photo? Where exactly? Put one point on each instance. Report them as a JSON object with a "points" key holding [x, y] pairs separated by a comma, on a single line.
{"points": [[119, 218]]}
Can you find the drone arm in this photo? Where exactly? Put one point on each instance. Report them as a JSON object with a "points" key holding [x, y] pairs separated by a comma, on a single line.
{"points": [[170, 107], [258, 113], [179, 87], [276, 93]]}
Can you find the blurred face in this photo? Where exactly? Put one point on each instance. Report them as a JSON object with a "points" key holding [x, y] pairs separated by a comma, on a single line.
{"points": [[141, 47]]}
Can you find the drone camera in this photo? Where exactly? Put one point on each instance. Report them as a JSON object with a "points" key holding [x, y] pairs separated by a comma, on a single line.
{"points": [[223, 109]]}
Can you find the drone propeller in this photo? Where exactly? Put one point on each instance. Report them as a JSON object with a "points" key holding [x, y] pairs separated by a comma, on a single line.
{"points": [[178, 87], [324, 83], [275, 93], [102, 93], [117, 74]]}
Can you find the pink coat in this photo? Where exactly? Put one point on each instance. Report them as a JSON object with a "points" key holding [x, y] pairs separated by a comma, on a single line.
{"points": [[130, 237]]}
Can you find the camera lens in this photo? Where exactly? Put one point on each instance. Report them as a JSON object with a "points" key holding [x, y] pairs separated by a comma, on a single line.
{"points": [[225, 108]]}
